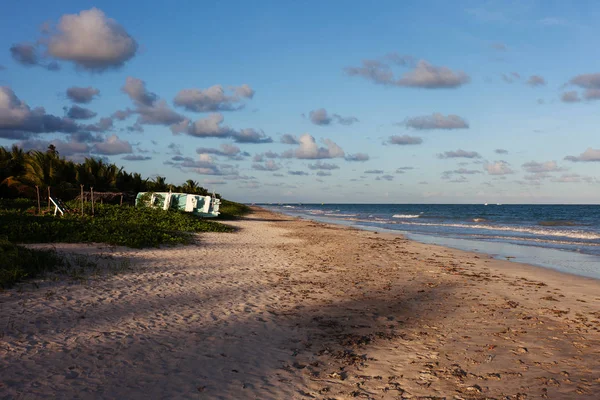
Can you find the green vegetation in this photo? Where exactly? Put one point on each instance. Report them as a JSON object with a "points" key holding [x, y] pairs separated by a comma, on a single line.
{"points": [[112, 224], [231, 210], [18, 263], [117, 225], [23, 173], [26, 178]]}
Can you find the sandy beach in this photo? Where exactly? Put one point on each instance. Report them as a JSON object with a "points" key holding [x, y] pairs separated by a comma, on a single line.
{"points": [[293, 309]]}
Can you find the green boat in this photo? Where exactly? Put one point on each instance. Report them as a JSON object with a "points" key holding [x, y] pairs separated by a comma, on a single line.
{"points": [[202, 206]]}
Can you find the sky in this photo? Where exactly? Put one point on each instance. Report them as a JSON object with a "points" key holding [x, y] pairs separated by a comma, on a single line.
{"points": [[307, 101]]}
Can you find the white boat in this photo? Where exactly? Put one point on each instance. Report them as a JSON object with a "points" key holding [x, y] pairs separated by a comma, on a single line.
{"points": [[202, 206]]}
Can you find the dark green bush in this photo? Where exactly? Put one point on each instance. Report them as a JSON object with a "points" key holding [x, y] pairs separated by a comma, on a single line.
{"points": [[18, 263], [118, 225]]}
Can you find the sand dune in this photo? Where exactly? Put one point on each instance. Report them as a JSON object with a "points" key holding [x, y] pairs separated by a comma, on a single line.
{"points": [[292, 309]]}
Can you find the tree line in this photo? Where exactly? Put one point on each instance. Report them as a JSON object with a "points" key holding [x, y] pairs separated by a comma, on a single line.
{"points": [[23, 173]]}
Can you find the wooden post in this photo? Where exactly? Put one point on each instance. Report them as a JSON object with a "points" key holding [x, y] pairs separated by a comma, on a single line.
{"points": [[48, 198], [37, 188], [121, 203], [81, 200], [92, 194]]}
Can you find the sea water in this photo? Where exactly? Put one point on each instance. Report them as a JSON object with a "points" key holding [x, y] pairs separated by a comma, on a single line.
{"points": [[562, 237]]}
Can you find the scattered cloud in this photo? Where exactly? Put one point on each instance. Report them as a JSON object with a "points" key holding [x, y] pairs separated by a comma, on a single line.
{"points": [[112, 146], [460, 171], [568, 178], [423, 74], [298, 173], [137, 127], [226, 150], [459, 154], [82, 95], [308, 149], [136, 157], [436, 121], [122, 115], [374, 171], [174, 148], [537, 167], [587, 81], [289, 139], [203, 165], [536, 80], [323, 166], [385, 177], [214, 98], [321, 117], [570, 97], [404, 140], [270, 165], [323, 173], [588, 155], [18, 120], [27, 54], [150, 109], [345, 120], [70, 148], [105, 124], [501, 151], [592, 94], [211, 126], [76, 112], [360, 157], [90, 40], [498, 168]]}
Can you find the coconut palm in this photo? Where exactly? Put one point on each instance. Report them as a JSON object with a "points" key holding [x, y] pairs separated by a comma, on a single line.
{"points": [[190, 186], [159, 184]]}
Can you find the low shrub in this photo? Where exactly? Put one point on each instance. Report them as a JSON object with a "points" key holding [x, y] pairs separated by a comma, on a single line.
{"points": [[18, 263], [112, 224]]}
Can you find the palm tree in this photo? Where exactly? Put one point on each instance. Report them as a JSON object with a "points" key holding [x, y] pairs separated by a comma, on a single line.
{"points": [[159, 184], [41, 169], [190, 186], [95, 173]]}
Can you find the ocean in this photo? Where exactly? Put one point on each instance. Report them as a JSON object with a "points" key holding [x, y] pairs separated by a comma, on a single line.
{"points": [[561, 237]]}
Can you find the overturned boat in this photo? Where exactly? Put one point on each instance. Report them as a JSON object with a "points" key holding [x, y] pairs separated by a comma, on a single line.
{"points": [[202, 206]]}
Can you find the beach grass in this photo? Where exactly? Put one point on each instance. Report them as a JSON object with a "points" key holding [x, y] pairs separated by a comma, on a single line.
{"points": [[111, 224], [18, 263], [231, 210]]}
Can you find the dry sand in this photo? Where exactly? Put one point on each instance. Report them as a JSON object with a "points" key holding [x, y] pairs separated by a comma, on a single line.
{"points": [[293, 309]]}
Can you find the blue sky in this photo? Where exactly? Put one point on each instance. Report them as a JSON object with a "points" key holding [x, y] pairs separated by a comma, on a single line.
{"points": [[399, 102]]}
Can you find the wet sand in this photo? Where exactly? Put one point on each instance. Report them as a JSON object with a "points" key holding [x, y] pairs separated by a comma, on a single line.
{"points": [[293, 309]]}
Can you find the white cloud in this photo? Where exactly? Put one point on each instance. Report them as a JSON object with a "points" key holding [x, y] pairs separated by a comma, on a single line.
{"points": [[498, 168], [437, 121], [404, 140], [459, 154], [308, 149], [423, 74], [537, 167], [112, 146], [213, 99], [588, 155], [91, 40]]}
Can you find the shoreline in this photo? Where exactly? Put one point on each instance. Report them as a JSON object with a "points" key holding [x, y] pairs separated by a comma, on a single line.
{"points": [[292, 308], [568, 262]]}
